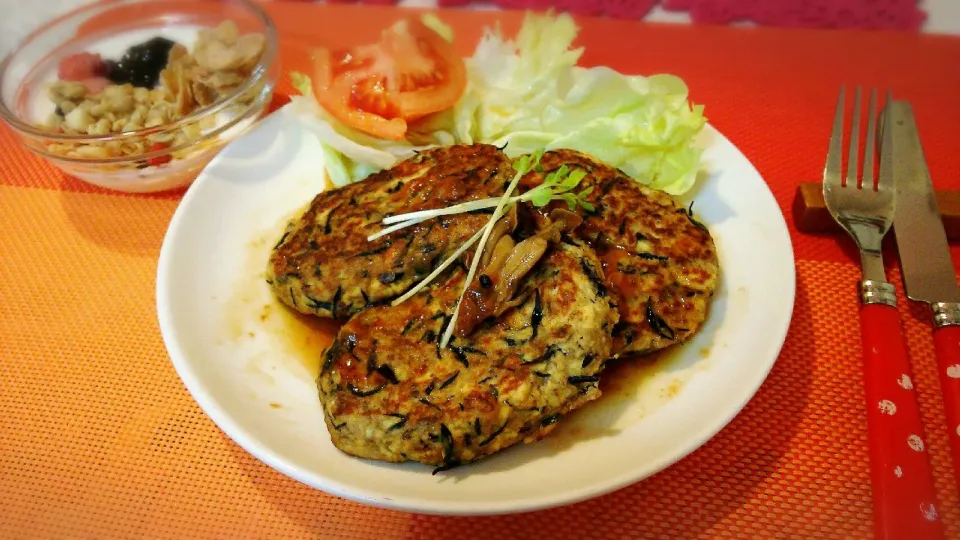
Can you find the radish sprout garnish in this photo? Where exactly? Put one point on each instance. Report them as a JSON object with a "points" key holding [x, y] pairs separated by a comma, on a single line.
{"points": [[558, 185]]}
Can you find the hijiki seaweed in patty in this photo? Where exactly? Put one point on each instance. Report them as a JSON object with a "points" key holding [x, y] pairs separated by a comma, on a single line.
{"points": [[324, 265], [660, 261], [448, 355], [389, 392]]}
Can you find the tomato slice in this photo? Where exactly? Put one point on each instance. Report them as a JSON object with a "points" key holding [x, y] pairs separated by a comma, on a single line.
{"points": [[378, 88], [366, 112]]}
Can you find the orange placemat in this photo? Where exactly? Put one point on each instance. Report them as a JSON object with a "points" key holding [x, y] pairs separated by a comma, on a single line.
{"points": [[99, 439]]}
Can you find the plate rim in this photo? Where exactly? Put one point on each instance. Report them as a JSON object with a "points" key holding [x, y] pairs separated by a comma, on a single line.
{"points": [[243, 438]]}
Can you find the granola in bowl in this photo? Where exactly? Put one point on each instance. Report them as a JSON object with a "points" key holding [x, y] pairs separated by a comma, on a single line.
{"points": [[137, 96], [101, 97]]}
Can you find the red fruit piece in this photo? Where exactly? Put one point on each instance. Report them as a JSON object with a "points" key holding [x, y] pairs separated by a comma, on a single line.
{"points": [[159, 160], [78, 67], [96, 85]]}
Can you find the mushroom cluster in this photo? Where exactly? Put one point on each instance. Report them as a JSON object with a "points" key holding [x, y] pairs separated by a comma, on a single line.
{"points": [[494, 290]]}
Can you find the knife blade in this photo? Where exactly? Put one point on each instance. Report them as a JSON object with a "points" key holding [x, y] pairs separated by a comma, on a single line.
{"points": [[928, 273]]}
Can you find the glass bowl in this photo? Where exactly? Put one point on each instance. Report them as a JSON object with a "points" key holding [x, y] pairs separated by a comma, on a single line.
{"points": [[155, 155]]}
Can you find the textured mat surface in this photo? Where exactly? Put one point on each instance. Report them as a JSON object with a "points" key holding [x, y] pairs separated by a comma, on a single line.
{"points": [[99, 439]]}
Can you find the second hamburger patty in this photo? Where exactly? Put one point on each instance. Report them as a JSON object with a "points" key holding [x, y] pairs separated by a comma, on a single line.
{"points": [[324, 265], [660, 262], [389, 392]]}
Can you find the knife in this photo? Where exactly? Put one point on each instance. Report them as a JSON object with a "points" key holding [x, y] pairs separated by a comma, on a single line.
{"points": [[928, 273]]}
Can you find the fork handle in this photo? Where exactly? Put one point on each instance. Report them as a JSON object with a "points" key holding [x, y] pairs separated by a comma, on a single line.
{"points": [[904, 500], [946, 341]]}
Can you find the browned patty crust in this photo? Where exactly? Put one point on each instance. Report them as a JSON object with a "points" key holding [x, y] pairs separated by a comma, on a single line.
{"points": [[390, 393], [324, 265], [660, 262]]}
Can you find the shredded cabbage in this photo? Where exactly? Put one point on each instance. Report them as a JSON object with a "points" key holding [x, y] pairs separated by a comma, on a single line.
{"points": [[529, 95], [434, 23], [351, 155]]}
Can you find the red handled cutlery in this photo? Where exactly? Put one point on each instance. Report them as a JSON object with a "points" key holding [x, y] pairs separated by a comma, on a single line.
{"points": [[904, 499], [928, 273]]}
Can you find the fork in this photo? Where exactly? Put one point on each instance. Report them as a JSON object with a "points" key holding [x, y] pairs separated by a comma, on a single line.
{"points": [[901, 475]]}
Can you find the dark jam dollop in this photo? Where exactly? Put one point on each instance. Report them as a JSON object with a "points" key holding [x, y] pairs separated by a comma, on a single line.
{"points": [[141, 64]]}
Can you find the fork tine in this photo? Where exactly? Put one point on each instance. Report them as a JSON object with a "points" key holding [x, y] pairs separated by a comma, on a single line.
{"points": [[832, 169], [886, 151], [872, 121], [854, 150]]}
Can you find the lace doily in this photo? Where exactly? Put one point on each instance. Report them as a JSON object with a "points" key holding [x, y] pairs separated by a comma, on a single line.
{"points": [[875, 14]]}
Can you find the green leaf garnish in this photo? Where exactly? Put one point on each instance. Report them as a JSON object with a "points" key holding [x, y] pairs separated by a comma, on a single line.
{"points": [[559, 185], [302, 83]]}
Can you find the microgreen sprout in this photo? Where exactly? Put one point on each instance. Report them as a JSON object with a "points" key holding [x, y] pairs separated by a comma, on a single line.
{"points": [[443, 266], [404, 224], [560, 185], [522, 165]]}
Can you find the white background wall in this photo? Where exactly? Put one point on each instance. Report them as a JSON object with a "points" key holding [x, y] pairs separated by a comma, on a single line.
{"points": [[17, 17], [943, 16]]}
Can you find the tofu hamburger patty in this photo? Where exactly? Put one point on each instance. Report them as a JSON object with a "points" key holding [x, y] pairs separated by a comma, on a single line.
{"points": [[390, 393], [558, 294], [323, 264], [659, 261]]}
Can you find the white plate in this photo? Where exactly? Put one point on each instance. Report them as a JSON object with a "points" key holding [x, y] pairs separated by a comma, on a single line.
{"points": [[251, 376]]}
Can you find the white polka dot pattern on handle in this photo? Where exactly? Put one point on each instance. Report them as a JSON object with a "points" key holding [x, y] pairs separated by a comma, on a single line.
{"points": [[898, 472], [953, 371], [888, 407], [929, 511], [905, 382], [915, 443]]}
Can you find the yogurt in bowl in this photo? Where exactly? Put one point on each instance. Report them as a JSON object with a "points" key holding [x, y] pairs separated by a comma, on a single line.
{"points": [[139, 95]]}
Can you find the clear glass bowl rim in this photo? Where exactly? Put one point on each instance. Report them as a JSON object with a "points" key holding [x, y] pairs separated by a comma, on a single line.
{"points": [[266, 61]]}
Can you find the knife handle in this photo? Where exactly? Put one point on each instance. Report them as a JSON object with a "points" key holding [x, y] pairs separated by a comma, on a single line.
{"points": [[904, 500], [946, 341]]}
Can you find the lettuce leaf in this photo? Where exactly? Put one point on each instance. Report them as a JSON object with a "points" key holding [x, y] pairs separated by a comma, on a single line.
{"points": [[529, 94], [434, 23], [351, 154]]}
